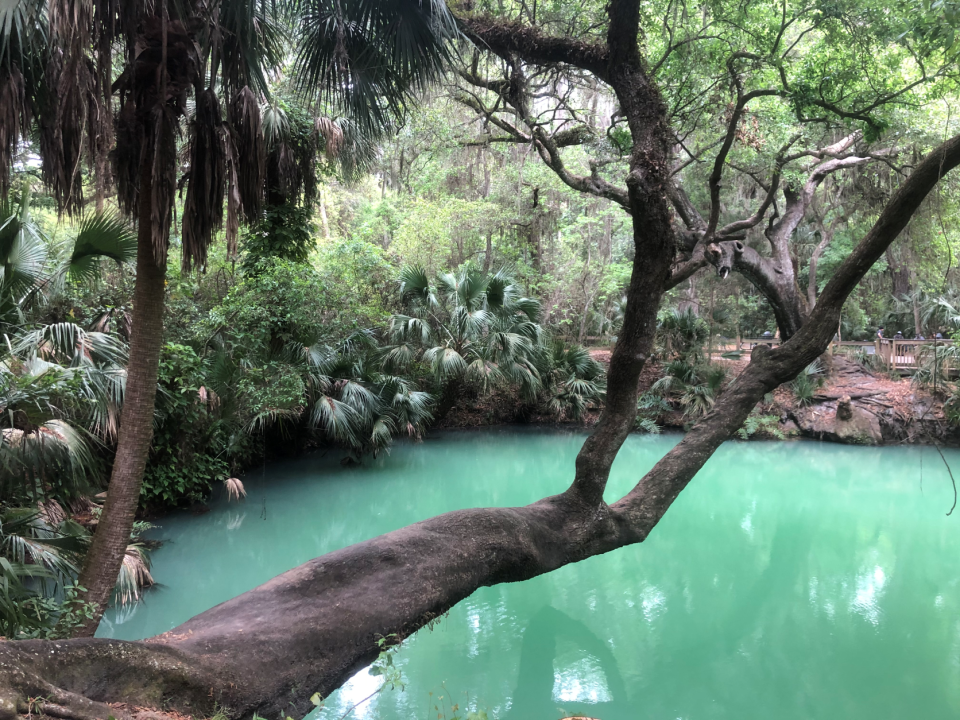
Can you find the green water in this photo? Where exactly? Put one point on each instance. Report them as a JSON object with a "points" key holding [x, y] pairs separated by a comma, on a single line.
{"points": [[790, 580]]}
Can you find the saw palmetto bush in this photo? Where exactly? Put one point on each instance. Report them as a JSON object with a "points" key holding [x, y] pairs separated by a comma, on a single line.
{"points": [[806, 384], [573, 381], [468, 326], [61, 386], [40, 554], [689, 379]]}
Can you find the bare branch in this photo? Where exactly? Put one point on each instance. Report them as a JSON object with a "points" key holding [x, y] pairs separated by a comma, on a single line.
{"points": [[717, 174]]}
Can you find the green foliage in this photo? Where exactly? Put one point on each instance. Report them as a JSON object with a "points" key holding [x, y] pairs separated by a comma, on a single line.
{"points": [[572, 378], [39, 556], [764, 425], [951, 406], [806, 384], [682, 335], [694, 387], [471, 326], [285, 232], [650, 406], [189, 446]]}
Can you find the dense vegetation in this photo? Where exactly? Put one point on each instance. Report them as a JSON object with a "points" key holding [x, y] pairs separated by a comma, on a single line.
{"points": [[345, 262]]}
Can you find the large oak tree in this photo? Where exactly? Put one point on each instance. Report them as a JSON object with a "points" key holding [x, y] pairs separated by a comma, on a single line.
{"points": [[309, 629]]}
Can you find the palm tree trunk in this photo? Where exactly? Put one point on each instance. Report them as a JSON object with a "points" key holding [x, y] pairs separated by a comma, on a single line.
{"points": [[103, 561]]}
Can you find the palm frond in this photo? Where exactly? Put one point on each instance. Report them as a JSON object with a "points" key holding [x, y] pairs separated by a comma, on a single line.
{"points": [[336, 418], [206, 182], [369, 58], [234, 488], [134, 575], [415, 285], [100, 236], [446, 362]]}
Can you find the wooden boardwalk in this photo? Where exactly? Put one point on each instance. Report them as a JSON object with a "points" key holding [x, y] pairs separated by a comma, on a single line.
{"points": [[903, 356]]}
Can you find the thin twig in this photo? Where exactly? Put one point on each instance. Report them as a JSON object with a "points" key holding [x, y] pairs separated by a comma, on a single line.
{"points": [[951, 480], [362, 701]]}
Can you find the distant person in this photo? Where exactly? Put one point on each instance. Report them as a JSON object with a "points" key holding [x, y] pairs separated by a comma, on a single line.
{"points": [[767, 334], [918, 336], [880, 332], [898, 336], [938, 336]]}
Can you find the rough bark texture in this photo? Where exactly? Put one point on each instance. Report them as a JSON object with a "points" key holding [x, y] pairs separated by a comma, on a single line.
{"points": [[309, 629], [110, 542]]}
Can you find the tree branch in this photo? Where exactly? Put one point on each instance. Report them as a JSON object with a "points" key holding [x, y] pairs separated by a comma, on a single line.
{"points": [[508, 38], [652, 496], [717, 174]]}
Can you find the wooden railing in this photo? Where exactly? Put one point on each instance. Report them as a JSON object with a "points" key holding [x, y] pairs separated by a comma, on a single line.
{"points": [[905, 354], [896, 354]]}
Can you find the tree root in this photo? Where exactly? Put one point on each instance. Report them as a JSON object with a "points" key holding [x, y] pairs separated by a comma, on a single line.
{"points": [[28, 695]]}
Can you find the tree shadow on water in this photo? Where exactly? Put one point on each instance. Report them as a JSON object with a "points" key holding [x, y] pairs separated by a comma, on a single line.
{"points": [[583, 679]]}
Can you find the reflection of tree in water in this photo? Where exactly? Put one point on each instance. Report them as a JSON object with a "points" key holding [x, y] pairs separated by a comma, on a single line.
{"points": [[590, 673]]}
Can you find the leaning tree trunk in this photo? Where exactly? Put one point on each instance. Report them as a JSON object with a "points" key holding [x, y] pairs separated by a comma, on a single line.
{"points": [[103, 561]]}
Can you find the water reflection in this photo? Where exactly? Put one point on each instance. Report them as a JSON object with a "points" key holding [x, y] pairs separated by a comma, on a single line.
{"points": [[565, 665]]}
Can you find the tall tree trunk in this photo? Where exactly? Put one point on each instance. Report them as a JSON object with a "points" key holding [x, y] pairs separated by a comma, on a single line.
{"points": [[916, 308], [899, 275], [102, 564]]}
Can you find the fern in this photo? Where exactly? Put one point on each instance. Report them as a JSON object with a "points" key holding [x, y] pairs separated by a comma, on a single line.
{"points": [[766, 424], [647, 425]]}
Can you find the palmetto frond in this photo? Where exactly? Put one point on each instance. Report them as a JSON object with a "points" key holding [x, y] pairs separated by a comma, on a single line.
{"points": [[445, 361], [53, 457], [509, 345], [484, 372], [404, 328], [37, 557], [23, 252], [529, 307], [22, 62], [415, 286], [70, 345], [359, 149], [398, 357], [338, 419], [134, 575], [100, 236], [206, 181], [234, 488], [469, 324], [28, 538], [363, 401], [524, 375], [409, 407], [357, 341], [369, 58], [247, 45]]}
